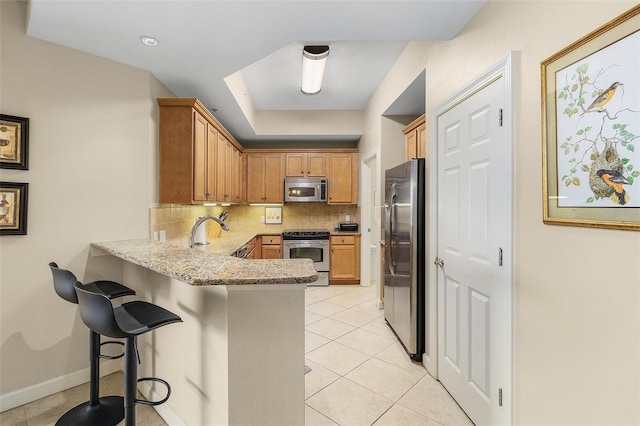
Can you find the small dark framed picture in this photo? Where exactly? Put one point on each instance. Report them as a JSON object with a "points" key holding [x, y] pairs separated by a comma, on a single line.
{"points": [[13, 208], [14, 142]]}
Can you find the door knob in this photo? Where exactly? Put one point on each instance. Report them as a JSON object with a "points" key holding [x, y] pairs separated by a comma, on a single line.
{"points": [[439, 262]]}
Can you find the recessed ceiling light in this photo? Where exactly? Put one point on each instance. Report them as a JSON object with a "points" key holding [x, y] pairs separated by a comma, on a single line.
{"points": [[149, 41]]}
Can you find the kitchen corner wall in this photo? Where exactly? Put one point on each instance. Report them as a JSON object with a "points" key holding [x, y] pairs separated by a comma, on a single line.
{"points": [[92, 177], [576, 306]]}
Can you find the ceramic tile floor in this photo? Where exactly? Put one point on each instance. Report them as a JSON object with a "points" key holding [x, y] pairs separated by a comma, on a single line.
{"points": [[46, 411], [360, 375]]}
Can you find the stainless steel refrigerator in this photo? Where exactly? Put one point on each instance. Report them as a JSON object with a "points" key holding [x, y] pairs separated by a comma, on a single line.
{"points": [[404, 276]]}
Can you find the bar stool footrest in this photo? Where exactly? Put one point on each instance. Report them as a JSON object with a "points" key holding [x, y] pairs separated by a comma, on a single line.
{"points": [[111, 342], [154, 379]]}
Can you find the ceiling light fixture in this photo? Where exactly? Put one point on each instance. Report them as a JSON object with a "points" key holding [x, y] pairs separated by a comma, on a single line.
{"points": [[149, 41], [314, 60]]}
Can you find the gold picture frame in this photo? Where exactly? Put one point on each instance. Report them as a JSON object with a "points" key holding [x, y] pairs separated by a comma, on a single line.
{"points": [[591, 129], [14, 142], [13, 208]]}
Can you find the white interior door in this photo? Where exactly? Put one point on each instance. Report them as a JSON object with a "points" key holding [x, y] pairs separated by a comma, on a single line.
{"points": [[370, 221], [474, 213]]}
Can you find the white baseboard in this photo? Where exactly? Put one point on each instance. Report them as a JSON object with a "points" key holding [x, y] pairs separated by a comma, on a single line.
{"points": [[164, 410], [55, 385]]}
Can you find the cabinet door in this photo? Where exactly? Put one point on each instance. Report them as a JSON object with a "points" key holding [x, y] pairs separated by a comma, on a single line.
{"points": [[340, 179], [273, 181], [343, 265], [236, 175], [295, 164], [221, 168], [228, 175], [272, 251], [422, 141], [212, 140], [255, 178], [316, 165], [410, 145], [199, 158]]}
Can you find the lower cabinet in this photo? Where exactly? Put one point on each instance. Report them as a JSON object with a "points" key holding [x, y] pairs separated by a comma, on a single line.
{"points": [[344, 259], [253, 249], [271, 246]]}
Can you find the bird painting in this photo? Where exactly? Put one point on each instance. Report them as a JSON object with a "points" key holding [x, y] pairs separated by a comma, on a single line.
{"points": [[604, 97], [615, 180]]}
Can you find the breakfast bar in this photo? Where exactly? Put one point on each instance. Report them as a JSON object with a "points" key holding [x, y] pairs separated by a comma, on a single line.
{"points": [[238, 358]]}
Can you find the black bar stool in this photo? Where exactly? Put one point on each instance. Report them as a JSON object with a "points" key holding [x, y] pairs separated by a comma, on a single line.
{"points": [[128, 321], [108, 410]]}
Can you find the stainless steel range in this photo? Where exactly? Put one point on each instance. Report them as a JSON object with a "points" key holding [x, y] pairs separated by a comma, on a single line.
{"points": [[309, 244]]}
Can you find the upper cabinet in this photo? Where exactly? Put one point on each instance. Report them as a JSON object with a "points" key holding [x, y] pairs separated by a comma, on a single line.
{"points": [[266, 170], [343, 177], [306, 164], [199, 160], [265, 177], [415, 137]]}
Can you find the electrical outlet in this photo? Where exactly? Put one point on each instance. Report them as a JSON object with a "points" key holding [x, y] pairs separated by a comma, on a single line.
{"points": [[347, 218], [163, 235], [261, 219], [155, 235]]}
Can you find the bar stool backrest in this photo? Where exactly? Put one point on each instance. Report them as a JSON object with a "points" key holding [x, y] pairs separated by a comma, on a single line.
{"points": [[63, 282], [97, 313]]}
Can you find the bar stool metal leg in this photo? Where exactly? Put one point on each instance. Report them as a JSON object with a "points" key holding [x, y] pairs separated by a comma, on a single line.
{"points": [[130, 380]]}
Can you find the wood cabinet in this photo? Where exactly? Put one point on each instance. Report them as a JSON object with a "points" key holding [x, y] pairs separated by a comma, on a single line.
{"points": [[253, 248], [344, 259], [415, 137], [228, 171], [340, 166], [265, 177], [236, 176], [311, 164], [193, 164], [204, 139], [271, 246], [343, 178]]}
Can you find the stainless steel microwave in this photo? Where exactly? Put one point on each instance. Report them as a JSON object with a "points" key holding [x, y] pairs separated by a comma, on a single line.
{"points": [[305, 190]]}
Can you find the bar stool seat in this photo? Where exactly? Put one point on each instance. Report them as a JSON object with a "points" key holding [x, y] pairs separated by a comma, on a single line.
{"points": [[128, 321], [108, 410]]}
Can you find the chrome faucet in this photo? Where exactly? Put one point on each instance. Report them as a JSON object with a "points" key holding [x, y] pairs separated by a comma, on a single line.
{"points": [[199, 222]]}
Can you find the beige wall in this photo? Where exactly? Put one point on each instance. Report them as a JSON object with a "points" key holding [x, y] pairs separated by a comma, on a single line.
{"points": [[92, 176], [577, 298]]}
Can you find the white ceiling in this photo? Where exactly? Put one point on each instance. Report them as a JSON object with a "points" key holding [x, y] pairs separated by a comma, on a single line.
{"points": [[257, 47]]}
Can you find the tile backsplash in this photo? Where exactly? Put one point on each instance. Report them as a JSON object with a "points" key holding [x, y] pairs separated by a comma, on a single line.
{"points": [[177, 220]]}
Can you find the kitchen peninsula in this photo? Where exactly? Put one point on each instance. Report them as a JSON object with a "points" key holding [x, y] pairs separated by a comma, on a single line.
{"points": [[238, 358]]}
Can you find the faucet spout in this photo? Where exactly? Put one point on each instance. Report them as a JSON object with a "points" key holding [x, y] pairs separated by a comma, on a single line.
{"points": [[200, 221]]}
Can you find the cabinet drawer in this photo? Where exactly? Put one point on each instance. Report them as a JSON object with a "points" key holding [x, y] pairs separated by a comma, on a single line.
{"points": [[271, 239], [343, 239]]}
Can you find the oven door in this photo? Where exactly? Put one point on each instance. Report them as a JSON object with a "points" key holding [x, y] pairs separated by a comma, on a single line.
{"points": [[316, 250]]}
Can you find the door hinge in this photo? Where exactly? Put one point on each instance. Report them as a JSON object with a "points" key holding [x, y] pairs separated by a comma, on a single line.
{"points": [[500, 397], [499, 256], [500, 117]]}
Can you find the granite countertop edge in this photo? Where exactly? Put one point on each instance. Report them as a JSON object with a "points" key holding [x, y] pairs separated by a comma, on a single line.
{"points": [[209, 266]]}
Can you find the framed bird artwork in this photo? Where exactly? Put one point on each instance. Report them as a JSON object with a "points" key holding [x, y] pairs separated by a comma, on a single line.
{"points": [[591, 129]]}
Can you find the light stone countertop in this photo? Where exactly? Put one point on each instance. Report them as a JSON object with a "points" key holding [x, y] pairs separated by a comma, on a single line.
{"points": [[210, 264]]}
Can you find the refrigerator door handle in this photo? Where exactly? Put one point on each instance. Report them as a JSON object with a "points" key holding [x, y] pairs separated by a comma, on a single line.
{"points": [[390, 220]]}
